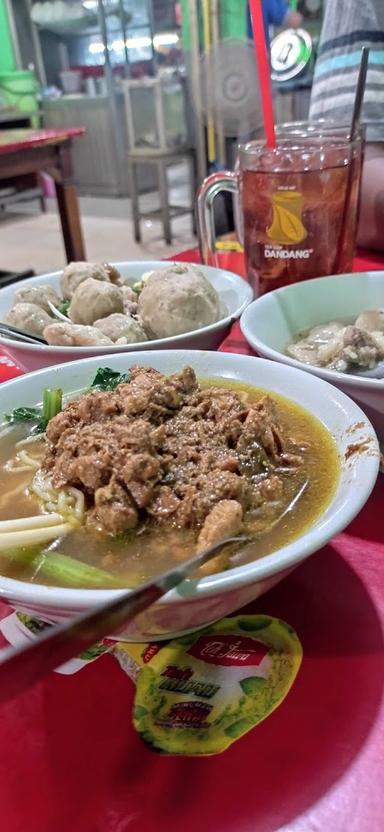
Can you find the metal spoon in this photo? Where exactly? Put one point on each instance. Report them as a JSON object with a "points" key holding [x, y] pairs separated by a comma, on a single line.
{"points": [[22, 667], [20, 335]]}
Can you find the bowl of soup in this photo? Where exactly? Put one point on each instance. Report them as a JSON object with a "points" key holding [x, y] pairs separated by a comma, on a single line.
{"points": [[332, 327], [138, 461]]}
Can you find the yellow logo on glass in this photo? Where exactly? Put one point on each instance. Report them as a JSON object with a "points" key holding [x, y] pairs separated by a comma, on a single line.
{"points": [[287, 227]]}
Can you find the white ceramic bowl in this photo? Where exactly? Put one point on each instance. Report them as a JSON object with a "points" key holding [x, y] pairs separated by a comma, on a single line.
{"points": [[273, 320], [198, 603], [235, 294]]}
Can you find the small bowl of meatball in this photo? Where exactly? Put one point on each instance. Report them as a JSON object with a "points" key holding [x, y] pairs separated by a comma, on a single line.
{"points": [[92, 309]]}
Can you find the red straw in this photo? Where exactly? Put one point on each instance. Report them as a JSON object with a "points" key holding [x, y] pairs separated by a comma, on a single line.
{"points": [[262, 59]]}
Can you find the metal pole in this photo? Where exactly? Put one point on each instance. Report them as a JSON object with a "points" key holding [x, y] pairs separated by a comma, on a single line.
{"points": [[201, 157], [215, 27], [151, 23], [117, 132], [124, 33]]}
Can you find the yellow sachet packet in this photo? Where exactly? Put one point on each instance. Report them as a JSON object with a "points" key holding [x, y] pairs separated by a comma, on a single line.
{"points": [[199, 693]]}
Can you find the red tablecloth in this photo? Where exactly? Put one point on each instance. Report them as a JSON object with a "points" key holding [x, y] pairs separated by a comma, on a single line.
{"points": [[70, 760]]}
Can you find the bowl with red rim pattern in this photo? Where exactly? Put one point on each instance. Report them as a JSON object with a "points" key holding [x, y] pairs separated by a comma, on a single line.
{"points": [[234, 294], [197, 603]]}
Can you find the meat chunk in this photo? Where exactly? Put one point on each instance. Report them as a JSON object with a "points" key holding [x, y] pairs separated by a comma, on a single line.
{"points": [[162, 450], [261, 430], [371, 320], [154, 396], [139, 474], [224, 520], [114, 509], [74, 335]]}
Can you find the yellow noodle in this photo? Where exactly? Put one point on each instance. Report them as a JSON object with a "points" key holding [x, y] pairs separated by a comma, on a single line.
{"points": [[29, 460], [31, 537], [30, 440], [35, 522]]}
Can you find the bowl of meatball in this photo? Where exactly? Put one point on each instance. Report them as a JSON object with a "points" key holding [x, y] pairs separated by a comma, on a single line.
{"points": [[92, 309], [332, 327]]}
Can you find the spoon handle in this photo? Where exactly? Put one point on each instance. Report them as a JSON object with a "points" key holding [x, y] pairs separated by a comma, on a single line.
{"points": [[22, 667]]}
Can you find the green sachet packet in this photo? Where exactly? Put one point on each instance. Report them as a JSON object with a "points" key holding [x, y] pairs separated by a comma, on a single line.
{"points": [[201, 692]]}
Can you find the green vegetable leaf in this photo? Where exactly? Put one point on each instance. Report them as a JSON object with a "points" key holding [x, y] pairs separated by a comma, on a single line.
{"points": [[52, 404], [23, 414], [64, 306], [107, 379]]}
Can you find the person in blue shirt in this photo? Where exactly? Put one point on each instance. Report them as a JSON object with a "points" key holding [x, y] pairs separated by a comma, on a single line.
{"points": [[275, 13]]}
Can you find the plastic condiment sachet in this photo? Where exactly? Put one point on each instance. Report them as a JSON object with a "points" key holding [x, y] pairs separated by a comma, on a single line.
{"points": [[199, 693]]}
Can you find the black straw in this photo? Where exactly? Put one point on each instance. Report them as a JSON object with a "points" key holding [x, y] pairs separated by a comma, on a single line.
{"points": [[360, 90]]}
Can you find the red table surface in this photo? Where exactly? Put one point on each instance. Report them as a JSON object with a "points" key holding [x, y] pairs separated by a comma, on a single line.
{"points": [[70, 760], [12, 141]]}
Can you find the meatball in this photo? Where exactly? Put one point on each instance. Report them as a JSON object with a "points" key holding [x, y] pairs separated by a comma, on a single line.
{"points": [[72, 335], [129, 300], [119, 326], [177, 299], [76, 273], [39, 295], [28, 316], [93, 300]]}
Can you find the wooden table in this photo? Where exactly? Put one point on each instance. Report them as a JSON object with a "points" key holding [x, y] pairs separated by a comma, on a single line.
{"points": [[27, 152]]}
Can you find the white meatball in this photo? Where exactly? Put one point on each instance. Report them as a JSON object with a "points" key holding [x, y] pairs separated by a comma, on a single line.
{"points": [[39, 295], [29, 317], [76, 273], [122, 326], [94, 299], [72, 335], [178, 299]]}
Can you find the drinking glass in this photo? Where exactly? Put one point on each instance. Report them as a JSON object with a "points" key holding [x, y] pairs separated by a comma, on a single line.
{"points": [[297, 204]]}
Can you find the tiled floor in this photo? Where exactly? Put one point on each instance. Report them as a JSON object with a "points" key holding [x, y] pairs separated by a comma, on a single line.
{"points": [[32, 240]]}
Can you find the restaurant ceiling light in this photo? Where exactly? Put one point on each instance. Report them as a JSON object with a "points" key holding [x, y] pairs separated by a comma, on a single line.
{"points": [[138, 43], [96, 48], [143, 42], [166, 39]]}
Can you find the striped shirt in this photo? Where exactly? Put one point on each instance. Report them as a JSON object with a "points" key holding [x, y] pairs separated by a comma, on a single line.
{"points": [[348, 25]]}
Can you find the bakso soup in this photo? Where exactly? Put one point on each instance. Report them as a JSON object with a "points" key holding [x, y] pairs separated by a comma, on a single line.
{"points": [[147, 468], [356, 347]]}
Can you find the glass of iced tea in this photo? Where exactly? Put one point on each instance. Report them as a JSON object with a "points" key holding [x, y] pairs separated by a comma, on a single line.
{"points": [[297, 204]]}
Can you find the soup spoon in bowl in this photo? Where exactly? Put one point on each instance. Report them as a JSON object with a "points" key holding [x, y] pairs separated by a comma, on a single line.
{"points": [[22, 667], [20, 334]]}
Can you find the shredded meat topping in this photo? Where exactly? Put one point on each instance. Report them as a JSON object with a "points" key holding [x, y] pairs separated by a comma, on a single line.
{"points": [[162, 448]]}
